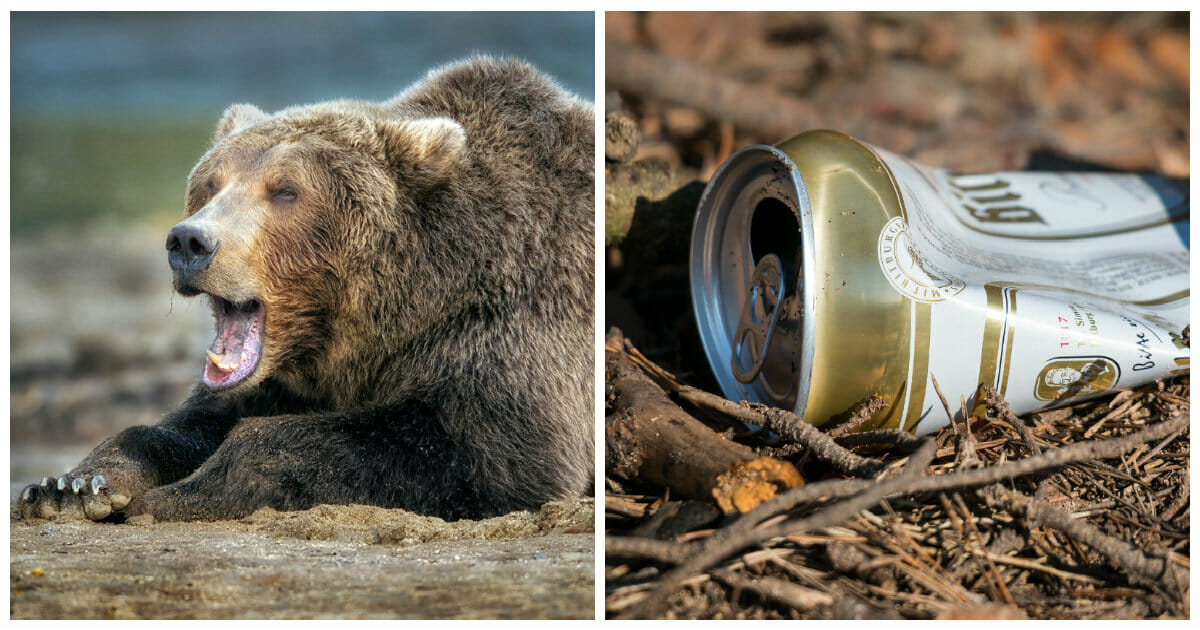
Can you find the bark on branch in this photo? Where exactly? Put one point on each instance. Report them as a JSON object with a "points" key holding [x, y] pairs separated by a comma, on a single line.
{"points": [[748, 106], [861, 493], [785, 423], [1142, 570], [649, 438]]}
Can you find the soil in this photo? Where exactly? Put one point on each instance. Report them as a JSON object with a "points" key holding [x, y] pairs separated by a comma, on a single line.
{"points": [[327, 562]]}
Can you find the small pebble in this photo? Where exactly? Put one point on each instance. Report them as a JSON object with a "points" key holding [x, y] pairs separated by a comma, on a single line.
{"points": [[38, 571]]}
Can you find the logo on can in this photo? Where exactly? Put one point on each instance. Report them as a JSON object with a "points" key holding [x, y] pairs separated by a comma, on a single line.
{"points": [[1067, 377], [908, 271]]}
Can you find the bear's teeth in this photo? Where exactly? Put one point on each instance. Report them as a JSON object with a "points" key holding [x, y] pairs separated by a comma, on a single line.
{"points": [[224, 367]]}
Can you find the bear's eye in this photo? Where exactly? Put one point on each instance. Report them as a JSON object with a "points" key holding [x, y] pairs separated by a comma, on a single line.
{"points": [[284, 193], [210, 187]]}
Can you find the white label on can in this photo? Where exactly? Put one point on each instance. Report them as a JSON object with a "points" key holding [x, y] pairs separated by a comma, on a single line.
{"points": [[1075, 284], [1117, 240], [910, 272]]}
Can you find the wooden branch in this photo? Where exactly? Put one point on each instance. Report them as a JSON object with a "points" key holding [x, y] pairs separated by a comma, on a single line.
{"points": [[833, 514], [781, 421], [661, 550], [898, 438], [859, 415], [857, 492], [649, 438], [1081, 451], [997, 402], [823, 447], [1144, 571], [751, 107], [787, 593]]}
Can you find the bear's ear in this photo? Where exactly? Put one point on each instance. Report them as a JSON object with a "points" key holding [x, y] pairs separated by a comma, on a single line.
{"points": [[423, 153], [237, 117]]}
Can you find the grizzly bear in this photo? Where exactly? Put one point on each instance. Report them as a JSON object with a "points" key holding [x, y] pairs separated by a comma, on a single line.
{"points": [[403, 296]]}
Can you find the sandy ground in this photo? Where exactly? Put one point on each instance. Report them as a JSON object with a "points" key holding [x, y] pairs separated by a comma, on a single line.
{"points": [[99, 344], [327, 562]]}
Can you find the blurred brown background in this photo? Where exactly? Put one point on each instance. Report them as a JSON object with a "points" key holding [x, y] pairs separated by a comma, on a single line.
{"points": [[973, 90]]}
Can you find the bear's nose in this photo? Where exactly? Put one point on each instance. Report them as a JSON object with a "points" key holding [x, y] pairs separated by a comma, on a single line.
{"points": [[190, 249]]}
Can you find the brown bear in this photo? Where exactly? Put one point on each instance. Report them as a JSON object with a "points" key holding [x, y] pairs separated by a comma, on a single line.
{"points": [[403, 295]]}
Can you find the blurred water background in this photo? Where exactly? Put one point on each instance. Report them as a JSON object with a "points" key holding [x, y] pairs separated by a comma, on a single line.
{"points": [[108, 113]]}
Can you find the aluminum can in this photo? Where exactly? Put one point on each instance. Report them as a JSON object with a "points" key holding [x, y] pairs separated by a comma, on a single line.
{"points": [[825, 270]]}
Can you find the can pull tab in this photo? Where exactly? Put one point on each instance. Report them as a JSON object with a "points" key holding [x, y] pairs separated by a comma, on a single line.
{"points": [[759, 318]]}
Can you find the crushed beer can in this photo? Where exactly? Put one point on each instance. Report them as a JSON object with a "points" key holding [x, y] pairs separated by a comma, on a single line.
{"points": [[825, 271]]}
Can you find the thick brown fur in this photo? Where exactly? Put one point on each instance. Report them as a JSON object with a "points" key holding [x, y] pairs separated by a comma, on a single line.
{"points": [[426, 276]]}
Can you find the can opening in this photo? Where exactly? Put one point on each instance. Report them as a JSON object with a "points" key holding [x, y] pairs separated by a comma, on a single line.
{"points": [[775, 229], [752, 233]]}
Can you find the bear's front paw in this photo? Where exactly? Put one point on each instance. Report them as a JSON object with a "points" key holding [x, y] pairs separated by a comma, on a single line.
{"points": [[70, 497]]}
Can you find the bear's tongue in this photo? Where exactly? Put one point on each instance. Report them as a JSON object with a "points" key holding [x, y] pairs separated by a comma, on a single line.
{"points": [[235, 352]]}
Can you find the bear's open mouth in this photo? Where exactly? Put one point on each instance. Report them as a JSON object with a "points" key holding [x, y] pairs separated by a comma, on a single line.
{"points": [[235, 352]]}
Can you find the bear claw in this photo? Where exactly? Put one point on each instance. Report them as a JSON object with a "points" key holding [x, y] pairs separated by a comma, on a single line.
{"points": [[70, 497]]}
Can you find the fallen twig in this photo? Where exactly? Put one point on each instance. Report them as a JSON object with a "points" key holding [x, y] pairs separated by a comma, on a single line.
{"points": [[860, 414], [743, 532], [787, 593], [1096, 449], [821, 445], [897, 437], [717, 549], [648, 437], [1149, 572], [1032, 565], [651, 548], [785, 423], [1000, 406], [747, 106]]}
